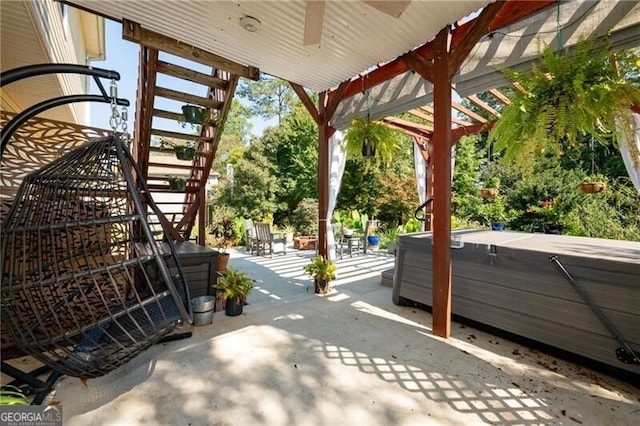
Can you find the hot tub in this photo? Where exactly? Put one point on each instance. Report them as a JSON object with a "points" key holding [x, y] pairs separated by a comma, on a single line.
{"points": [[507, 280]]}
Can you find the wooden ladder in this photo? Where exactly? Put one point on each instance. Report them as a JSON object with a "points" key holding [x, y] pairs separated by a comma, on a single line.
{"points": [[157, 163]]}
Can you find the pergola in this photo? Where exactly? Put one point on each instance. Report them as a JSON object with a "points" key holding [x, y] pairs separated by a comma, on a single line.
{"points": [[408, 54]]}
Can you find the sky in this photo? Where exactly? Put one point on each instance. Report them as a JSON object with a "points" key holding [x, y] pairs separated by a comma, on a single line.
{"points": [[122, 56]]}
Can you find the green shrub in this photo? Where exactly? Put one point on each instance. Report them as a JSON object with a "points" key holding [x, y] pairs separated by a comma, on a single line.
{"points": [[305, 217]]}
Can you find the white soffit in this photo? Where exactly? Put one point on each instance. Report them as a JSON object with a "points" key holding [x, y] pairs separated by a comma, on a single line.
{"points": [[355, 36]]}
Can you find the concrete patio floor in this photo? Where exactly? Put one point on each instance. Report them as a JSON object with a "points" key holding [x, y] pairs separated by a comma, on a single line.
{"points": [[348, 358]]}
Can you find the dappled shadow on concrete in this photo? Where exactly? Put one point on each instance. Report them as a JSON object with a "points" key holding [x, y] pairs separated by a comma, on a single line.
{"points": [[348, 358]]}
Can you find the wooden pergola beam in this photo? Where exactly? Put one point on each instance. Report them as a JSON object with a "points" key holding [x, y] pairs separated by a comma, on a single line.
{"points": [[479, 27], [420, 129], [500, 96], [482, 104], [513, 11], [134, 32], [306, 101], [466, 111]]}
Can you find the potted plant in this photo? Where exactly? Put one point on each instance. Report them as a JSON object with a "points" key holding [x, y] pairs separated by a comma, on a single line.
{"points": [[494, 213], [234, 286], [388, 238], [490, 190], [193, 115], [186, 151], [177, 183], [370, 139], [322, 271], [565, 97], [288, 230], [223, 230]]}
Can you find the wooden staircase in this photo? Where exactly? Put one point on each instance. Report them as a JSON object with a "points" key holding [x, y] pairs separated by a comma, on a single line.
{"points": [[182, 209]]}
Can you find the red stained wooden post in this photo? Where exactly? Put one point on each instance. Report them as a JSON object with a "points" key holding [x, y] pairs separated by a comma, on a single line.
{"points": [[441, 161]]}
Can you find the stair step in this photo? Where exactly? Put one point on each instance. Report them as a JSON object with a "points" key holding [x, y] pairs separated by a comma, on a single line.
{"points": [[161, 113], [191, 75], [177, 135], [176, 166], [188, 98]]}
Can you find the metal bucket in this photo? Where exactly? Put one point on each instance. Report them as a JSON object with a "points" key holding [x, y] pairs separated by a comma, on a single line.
{"points": [[202, 307]]}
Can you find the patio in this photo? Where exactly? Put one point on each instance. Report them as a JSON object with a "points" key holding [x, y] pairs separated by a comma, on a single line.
{"points": [[352, 357]]}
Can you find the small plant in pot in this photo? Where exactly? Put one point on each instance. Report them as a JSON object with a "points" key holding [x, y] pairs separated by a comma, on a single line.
{"points": [[234, 286], [185, 152], [193, 115], [322, 271], [224, 234], [177, 183]]}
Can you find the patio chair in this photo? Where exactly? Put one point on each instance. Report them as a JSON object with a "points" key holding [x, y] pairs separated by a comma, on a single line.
{"points": [[85, 287], [266, 238], [250, 235]]}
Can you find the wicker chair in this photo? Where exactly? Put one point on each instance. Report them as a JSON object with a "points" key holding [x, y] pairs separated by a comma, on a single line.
{"points": [[85, 287]]}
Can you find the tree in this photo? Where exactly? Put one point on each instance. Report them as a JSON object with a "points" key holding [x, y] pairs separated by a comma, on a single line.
{"points": [[235, 136], [252, 192], [291, 150], [465, 202], [269, 97]]}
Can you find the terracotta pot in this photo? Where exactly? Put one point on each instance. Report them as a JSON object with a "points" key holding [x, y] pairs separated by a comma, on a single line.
{"points": [[592, 187], [489, 192], [304, 243], [223, 261]]}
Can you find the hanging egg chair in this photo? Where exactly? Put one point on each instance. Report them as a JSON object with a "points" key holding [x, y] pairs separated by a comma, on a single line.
{"points": [[85, 287]]}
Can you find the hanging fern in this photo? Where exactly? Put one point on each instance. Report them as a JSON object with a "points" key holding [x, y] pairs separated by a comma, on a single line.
{"points": [[564, 98], [386, 142]]}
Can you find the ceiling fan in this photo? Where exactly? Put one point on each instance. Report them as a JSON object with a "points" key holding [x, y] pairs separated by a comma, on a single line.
{"points": [[314, 16]]}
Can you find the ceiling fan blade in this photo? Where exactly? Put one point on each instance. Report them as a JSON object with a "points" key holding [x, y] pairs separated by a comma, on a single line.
{"points": [[392, 8], [313, 21]]}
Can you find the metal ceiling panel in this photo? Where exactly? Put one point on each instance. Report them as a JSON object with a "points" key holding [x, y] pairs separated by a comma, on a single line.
{"points": [[355, 36]]}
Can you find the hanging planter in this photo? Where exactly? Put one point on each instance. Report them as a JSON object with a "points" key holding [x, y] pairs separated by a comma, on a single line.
{"points": [[565, 98], [177, 184], [368, 150], [192, 114], [489, 192], [593, 187], [368, 139], [185, 152]]}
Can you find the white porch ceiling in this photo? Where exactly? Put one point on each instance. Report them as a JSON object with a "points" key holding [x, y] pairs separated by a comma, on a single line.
{"points": [[355, 36]]}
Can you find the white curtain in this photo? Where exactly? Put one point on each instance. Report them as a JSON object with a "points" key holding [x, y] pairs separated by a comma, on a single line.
{"points": [[630, 150], [337, 161]]}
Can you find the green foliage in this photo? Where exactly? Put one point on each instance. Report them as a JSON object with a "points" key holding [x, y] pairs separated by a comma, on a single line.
{"points": [[493, 210], [11, 395], [387, 142], [292, 147], [360, 187], [234, 285], [398, 198], [253, 191], [305, 217], [564, 97], [320, 268], [269, 97], [351, 219], [465, 201], [412, 225], [222, 227], [389, 235]]}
